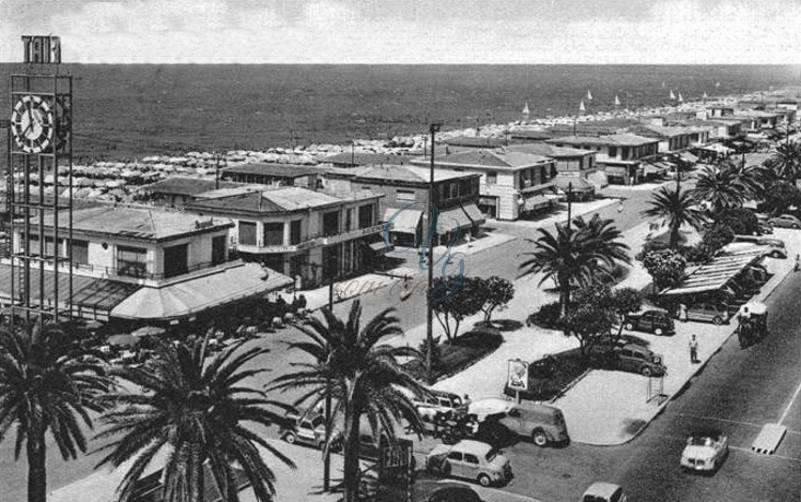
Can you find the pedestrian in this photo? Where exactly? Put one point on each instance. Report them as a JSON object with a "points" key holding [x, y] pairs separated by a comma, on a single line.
{"points": [[620, 206], [797, 262], [694, 350], [682, 312], [466, 402]]}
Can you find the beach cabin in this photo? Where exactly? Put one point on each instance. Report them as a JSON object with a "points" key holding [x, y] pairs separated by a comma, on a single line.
{"points": [[619, 155]]}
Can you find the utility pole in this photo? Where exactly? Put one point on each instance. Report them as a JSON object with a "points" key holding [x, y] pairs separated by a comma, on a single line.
{"points": [[353, 152], [327, 460], [433, 128], [569, 203], [217, 170]]}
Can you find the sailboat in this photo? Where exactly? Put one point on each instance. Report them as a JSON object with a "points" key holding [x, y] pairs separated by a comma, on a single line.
{"points": [[589, 95], [526, 111], [672, 96], [717, 84], [663, 84], [705, 95], [582, 108], [617, 100], [681, 99]]}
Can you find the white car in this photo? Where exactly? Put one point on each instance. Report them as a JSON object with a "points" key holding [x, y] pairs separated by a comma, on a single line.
{"points": [[483, 408], [472, 460], [737, 248], [705, 450], [775, 247], [601, 491]]}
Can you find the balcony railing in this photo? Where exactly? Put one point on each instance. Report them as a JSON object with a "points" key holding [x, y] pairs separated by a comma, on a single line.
{"points": [[311, 241], [135, 272]]}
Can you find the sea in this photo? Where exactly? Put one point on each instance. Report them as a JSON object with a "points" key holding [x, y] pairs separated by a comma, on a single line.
{"points": [[124, 112]]}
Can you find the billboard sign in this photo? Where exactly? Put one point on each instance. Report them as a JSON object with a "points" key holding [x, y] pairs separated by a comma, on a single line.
{"points": [[517, 377]]}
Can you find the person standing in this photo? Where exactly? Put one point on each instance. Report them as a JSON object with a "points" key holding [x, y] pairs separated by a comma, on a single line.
{"points": [[797, 262], [620, 206], [694, 350]]}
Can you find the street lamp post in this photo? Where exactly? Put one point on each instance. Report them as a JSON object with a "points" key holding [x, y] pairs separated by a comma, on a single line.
{"points": [[433, 129]]}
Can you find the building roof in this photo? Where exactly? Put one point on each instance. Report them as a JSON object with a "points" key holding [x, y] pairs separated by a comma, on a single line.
{"points": [[366, 158], [661, 131], [500, 158], [277, 170], [278, 200], [549, 150], [411, 174], [609, 139], [138, 222], [531, 134], [184, 185], [475, 141]]}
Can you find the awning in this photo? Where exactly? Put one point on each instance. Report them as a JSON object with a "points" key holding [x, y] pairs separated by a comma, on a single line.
{"points": [[649, 169], [448, 221], [488, 201], [714, 275], [406, 220], [536, 202], [195, 295], [378, 247], [89, 293], [688, 157], [474, 213], [579, 183]]}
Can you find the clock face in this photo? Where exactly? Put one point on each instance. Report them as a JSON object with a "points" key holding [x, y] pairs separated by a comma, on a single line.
{"points": [[32, 124]]}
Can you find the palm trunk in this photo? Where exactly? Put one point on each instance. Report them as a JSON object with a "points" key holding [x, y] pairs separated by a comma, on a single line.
{"points": [[196, 487], [674, 236], [37, 473], [351, 452], [564, 295]]}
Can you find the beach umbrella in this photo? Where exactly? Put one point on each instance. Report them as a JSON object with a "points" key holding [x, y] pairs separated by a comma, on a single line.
{"points": [[123, 340]]}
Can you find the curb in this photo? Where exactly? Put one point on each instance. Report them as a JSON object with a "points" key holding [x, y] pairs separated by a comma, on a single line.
{"points": [[569, 386], [686, 383]]}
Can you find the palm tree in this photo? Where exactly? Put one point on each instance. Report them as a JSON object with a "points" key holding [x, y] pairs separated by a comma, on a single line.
{"points": [[675, 208], [721, 188], [753, 178], [362, 378], [575, 256], [786, 161], [193, 410], [46, 385]]}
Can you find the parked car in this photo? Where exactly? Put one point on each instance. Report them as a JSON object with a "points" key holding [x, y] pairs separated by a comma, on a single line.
{"points": [[631, 357], [307, 430], [717, 313], [472, 460], [601, 491], [785, 221], [740, 248], [438, 402], [758, 239], [764, 228], [773, 247], [543, 424], [657, 322], [705, 450], [454, 494]]}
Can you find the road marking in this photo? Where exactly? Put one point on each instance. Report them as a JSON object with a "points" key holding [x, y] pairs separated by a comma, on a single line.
{"points": [[790, 404], [688, 415]]}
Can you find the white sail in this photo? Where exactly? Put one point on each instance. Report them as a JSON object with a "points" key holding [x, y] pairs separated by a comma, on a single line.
{"points": [[617, 100], [717, 84], [663, 84], [582, 108], [589, 95], [672, 96], [705, 95], [526, 111], [681, 99]]}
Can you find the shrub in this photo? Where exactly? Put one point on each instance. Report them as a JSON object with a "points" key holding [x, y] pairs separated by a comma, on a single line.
{"points": [[666, 267], [696, 254], [434, 347], [649, 246], [718, 236], [547, 316], [740, 220]]}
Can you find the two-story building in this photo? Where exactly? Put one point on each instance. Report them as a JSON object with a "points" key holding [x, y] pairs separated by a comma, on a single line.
{"points": [[620, 155], [671, 138], [513, 184], [456, 196], [142, 265], [177, 191], [356, 159], [575, 168], [314, 234]]}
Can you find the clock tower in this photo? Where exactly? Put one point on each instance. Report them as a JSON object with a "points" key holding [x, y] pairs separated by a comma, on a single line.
{"points": [[40, 213]]}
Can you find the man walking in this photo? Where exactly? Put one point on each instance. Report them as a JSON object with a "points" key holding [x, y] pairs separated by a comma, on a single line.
{"points": [[694, 350]]}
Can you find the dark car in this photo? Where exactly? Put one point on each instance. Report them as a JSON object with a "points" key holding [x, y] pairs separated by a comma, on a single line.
{"points": [[629, 357], [454, 494], [657, 322]]}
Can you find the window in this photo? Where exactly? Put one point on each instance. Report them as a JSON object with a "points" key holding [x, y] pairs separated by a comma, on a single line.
{"points": [[331, 223], [453, 190], [274, 233], [80, 252], [455, 455], [348, 219], [366, 216], [613, 151], [470, 459], [405, 195], [624, 153], [294, 232], [131, 261], [492, 177], [247, 233], [175, 260], [217, 249]]}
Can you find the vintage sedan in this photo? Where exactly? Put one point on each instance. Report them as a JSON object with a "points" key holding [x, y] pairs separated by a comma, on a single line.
{"points": [[785, 221], [705, 451], [472, 460]]}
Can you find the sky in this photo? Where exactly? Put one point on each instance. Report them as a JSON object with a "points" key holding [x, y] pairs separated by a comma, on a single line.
{"points": [[410, 31]]}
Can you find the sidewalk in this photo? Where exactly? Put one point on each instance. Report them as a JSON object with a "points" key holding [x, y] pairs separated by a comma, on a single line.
{"points": [[586, 406]]}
